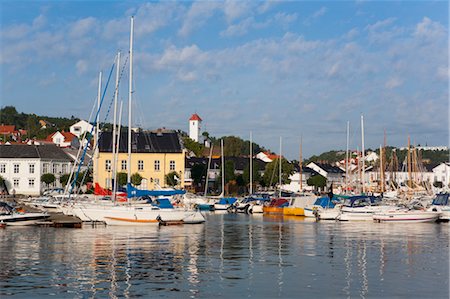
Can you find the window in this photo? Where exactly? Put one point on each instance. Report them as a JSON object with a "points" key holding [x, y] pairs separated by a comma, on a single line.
{"points": [[55, 168], [2, 168], [107, 183], [156, 181], [31, 166], [31, 183], [108, 165], [16, 168], [45, 168], [156, 165], [124, 164], [140, 165], [172, 165], [16, 182], [64, 168]]}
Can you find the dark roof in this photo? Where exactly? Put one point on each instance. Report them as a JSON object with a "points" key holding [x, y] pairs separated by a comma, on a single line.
{"points": [[305, 169], [329, 168], [45, 151], [143, 142], [240, 163]]}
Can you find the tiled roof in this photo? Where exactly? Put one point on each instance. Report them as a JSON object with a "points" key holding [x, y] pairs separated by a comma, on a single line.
{"points": [[143, 142], [195, 117], [47, 152], [7, 129], [240, 163]]}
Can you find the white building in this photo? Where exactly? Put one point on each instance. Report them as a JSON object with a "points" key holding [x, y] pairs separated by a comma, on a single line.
{"points": [[80, 127], [441, 173], [63, 139], [21, 166], [194, 127]]}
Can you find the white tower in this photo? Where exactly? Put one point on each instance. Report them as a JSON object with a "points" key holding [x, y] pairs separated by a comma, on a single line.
{"points": [[194, 127]]}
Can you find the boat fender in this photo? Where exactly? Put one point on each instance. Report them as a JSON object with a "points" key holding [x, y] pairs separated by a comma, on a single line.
{"points": [[246, 209]]}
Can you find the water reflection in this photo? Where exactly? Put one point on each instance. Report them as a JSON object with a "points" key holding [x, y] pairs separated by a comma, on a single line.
{"points": [[230, 255]]}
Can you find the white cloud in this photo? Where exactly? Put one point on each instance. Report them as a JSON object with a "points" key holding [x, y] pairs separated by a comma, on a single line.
{"points": [[197, 16], [427, 29], [236, 9], [285, 19], [393, 83], [186, 76], [380, 24], [239, 29], [317, 14], [82, 27], [81, 66]]}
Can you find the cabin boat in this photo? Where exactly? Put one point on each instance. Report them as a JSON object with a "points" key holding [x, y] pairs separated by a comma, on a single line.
{"points": [[224, 203], [297, 204], [406, 216], [321, 203], [361, 208], [250, 205], [10, 216], [276, 206], [441, 203]]}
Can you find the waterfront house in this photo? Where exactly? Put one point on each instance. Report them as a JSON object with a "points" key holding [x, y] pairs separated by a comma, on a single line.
{"points": [[63, 139], [80, 127], [21, 166], [153, 156], [441, 173], [333, 174], [294, 185]]}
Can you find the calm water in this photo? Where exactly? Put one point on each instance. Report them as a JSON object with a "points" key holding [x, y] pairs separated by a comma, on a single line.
{"points": [[230, 256]]}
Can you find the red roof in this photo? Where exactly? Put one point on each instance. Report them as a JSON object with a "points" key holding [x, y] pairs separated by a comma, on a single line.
{"points": [[7, 129], [195, 117], [68, 137]]}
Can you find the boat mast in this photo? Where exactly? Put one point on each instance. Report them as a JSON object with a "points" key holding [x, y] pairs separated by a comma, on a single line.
{"points": [[280, 168], [97, 128], [207, 170], [408, 161], [381, 170], [223, 167], [346, 159], [130, 92], [363, 156], [251, 163], [114, 135], [300, 164]]}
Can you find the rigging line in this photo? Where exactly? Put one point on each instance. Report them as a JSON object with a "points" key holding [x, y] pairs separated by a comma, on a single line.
{"points": [[107, 113], [95, 123]]}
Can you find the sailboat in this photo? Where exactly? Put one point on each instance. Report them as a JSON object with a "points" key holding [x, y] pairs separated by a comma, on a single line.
{"points": [[224, 203], [137, 214], [276, 205]]}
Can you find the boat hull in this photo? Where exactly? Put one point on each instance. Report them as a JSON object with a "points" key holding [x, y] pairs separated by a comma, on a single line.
{"points": [[23, 219], [293, 211], [406, 216], [273, 210]]}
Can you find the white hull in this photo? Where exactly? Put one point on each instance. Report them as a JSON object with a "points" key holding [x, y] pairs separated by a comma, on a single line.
{"points": [[256, 209], [361, 213], [309, 212], [444, 210], [124, 215], [328, 214], [221, 207], [23, 219], [407, 216]]}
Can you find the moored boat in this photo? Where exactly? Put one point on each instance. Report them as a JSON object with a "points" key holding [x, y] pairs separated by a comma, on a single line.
{"points": [[406, 216], [10, 216], [441, 203]]}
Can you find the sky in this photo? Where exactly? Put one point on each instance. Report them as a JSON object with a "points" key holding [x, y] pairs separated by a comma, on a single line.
{"points": [[294, 69]]}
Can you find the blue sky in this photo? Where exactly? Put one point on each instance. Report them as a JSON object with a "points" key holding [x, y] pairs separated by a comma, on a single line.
{"points": [[286, 69]]}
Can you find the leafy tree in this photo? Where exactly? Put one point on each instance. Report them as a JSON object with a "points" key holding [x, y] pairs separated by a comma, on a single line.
{"points": [[122, 178], [193, 146], [271, 174], [236, 147], [172, 178], [256, 176], [240, 180], [136, 179], [317, 181], [48, 178], [198, 172], [64, 179]]}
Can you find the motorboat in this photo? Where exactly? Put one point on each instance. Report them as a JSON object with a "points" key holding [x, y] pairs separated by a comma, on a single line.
{"points": [[297, 204], [224, 203], [406, 216], [11, 216], [275, 207], [361, 208], [250, 205], [441, 203], [322, 203]]}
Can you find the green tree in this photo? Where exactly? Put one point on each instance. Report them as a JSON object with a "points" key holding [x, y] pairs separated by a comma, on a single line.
{"points": [[198, 172], [271, 173], [136, 179], [172, 178], [64, 179], [193, 146], [48, 178], [256, 176], [317, 181], [122, 178]]}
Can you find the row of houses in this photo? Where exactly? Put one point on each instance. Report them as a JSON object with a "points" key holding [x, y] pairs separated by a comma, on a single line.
{"points": [[154, 155]]}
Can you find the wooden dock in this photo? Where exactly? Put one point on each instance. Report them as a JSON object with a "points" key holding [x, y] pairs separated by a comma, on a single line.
{"points": [[61, 220]]}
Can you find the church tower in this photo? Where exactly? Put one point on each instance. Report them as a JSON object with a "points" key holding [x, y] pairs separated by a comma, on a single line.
{"points": [[194, 127]]}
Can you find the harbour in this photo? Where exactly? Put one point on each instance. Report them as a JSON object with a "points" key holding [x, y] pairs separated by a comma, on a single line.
{"points": [[230, 255]]}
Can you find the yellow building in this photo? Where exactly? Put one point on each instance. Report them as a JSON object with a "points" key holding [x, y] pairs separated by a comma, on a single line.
{"points": [[153, 156]]}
